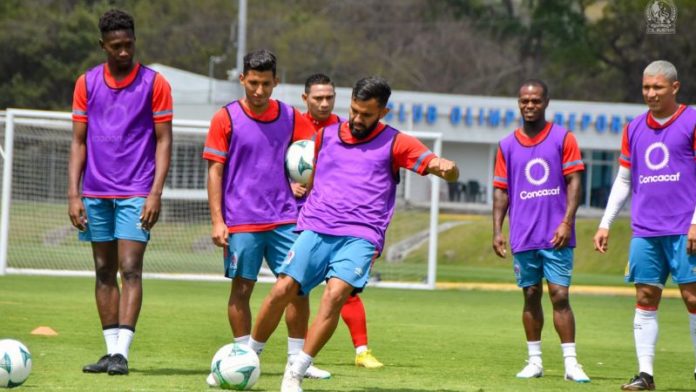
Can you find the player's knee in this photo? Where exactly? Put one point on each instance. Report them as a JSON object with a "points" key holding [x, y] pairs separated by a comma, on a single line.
{"points": [[689, 301], [532, 294], [284, 288], [335, 296], [648, 296], [241, 290], [131, 275], [106, 275], [560, 302]]}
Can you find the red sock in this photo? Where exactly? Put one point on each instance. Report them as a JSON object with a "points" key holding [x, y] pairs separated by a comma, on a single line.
{"points": [[353, 314]]}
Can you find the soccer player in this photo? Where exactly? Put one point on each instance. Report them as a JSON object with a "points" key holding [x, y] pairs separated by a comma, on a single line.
{"points": [[657, 168], [252, 207], [320, 97], [351, 201], [537, 175], [121, 148]]}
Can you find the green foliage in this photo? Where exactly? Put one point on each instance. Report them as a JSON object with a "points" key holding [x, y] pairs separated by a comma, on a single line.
{"points": [[585, 49]]}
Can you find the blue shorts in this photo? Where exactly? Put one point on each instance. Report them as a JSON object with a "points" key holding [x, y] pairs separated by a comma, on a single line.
{"points": [[316, 257], [246, 251], [556, 265], [110, 219], [651, 259]]}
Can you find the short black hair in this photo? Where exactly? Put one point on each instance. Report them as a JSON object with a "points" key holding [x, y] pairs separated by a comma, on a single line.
{"points": [[317, 78], [260, 60], [372, 87], [538, 83], [115, 20]]}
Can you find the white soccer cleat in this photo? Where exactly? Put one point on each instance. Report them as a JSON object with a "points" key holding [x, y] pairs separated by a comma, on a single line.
{"points": [[575, 373], [316, 373], [532, 370], [292, 382]]}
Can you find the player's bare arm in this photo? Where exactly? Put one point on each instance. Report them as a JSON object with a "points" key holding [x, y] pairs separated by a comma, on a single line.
{"points": [[500, 206], [563, 232], [444, 168], [219, 234], [78, 155], [163, 154]]}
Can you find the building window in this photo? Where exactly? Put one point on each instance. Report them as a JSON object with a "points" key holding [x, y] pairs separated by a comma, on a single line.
{"points": [[598, 177]]}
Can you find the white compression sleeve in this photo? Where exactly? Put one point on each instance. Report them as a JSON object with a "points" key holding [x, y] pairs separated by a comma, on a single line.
{"points": [[693, 220], [617, 198]]}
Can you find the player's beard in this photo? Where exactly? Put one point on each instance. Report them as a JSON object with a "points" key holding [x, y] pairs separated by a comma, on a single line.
{"points": [[361, 134]]}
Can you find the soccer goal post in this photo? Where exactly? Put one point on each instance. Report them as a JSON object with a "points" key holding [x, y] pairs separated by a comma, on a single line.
{"points": [[36, 236]]}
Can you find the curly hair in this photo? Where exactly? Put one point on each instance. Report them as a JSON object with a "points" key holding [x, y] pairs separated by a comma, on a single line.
{"points": [[114, 20]]}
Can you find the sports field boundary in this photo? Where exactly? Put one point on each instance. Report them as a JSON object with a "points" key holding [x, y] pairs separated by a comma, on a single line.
{"points": [[628, 291]]}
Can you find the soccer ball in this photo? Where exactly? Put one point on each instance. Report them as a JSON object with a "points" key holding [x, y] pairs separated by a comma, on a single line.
{"points": [[15, 363], [299, 160], [234, 366]]}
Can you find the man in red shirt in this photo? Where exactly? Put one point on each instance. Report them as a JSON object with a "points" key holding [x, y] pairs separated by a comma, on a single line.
{"points": [[320, 97], [253, 216]]}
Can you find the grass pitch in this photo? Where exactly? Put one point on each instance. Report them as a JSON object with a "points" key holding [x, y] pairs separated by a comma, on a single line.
{"points": [[428, 340]]}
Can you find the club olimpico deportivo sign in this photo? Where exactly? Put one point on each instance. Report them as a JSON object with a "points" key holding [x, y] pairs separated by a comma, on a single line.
{"points": [[492, 117]]}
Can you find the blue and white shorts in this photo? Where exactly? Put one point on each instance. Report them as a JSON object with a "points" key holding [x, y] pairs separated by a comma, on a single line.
{"points": [[556, 265], [246, 251], [652, 259], [110, 219], [316, 257]]}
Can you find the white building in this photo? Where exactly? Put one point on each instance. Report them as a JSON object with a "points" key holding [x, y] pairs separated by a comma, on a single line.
{"points": [[471, 127]]}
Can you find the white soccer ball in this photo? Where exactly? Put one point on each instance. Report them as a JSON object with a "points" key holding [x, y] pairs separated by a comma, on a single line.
{"points": [[15, 363], [299, 160], [234, 366]]}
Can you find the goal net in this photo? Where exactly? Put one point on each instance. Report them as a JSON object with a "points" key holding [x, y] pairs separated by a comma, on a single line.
{"points": [[36, 236]]}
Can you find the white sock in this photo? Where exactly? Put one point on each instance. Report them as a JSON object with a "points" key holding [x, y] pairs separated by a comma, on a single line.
{"points": [[534, 350], [294, 346], [125, 337], [645, 333], [360, 349], [242, 339], [692, 330], [300, 363], [256, 346], [569, 355], [111, 339]]}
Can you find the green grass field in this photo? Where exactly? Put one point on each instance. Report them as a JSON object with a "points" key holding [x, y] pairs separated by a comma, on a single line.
{"points": [[428, 340]]}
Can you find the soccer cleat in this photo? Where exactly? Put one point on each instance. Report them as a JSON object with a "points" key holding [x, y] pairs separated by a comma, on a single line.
{"points": [[640, 382], [100, 366], [532, 370], [292, 382], [316, 373], [118, 365], [575, 373], [367, 360]]}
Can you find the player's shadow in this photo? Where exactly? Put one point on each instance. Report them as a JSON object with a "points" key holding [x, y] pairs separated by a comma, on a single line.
{"points": [[170, 372]]}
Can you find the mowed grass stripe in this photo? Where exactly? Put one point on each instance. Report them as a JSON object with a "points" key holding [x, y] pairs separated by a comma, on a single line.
{"points": [[443, 340]]}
